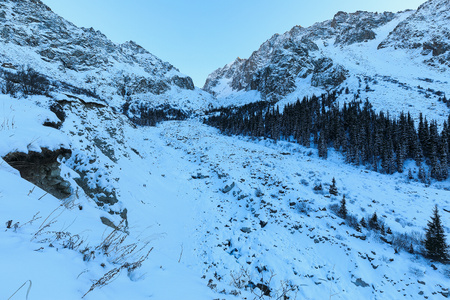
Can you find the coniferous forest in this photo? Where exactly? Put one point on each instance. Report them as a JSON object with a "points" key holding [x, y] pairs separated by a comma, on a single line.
{"points": [[365, 137]]}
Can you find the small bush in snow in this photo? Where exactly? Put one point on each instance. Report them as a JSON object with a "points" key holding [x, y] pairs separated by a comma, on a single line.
{"points": [[304, 207]]}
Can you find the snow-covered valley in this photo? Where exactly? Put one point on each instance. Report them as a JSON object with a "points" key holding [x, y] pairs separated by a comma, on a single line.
{"points": [[95, 205], [222, 214]]}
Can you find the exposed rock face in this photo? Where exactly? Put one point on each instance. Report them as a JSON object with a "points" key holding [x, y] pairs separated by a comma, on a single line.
{"points": [[274, 68], [86, 58], [42, 169], [226, 72], [85, 160], [358, 27], [327, 74], [428, 29]]}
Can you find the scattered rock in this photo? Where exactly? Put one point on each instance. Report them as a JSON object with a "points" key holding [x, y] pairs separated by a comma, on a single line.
{"points": [[360, 282], [199, 176], [246, 229], [262, 224], [228, 188]]}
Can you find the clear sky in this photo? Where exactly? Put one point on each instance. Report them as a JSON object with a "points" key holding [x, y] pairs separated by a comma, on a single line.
{"points": [[199, 36]]}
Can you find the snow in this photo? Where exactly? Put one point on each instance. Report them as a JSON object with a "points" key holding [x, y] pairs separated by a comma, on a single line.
{"points": [[21, 128], [220, 214], [55, 271], [399, 80], [196, 230], [97, 63], [396, 78]]}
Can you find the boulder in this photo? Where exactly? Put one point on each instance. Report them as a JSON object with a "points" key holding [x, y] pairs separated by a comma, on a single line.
{"points": [[42, 169]]}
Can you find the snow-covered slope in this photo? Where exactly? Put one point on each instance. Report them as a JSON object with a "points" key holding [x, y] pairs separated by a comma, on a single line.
{"points": [[368, 53], [32, 35], [427, 30], [226, 217], [120, 208]]}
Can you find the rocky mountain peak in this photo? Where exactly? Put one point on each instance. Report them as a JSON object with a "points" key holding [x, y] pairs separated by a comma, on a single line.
{"points": [[32, 34], [427, 30], [358, 27], [274, 68], [352, 52]]}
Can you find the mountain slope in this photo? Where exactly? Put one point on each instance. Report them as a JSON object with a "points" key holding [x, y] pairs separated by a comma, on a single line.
{"points": [[32, 35], [428, 30], [355, 51]]}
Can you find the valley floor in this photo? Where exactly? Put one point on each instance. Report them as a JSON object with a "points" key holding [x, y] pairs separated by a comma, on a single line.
{"points": [[226, 217]]}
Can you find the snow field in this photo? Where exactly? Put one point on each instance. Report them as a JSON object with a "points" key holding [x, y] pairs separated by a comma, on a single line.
{"points": [[208, 235]]}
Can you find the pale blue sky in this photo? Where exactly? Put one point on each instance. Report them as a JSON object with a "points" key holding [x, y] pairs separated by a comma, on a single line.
{"points": [[199, 36]]}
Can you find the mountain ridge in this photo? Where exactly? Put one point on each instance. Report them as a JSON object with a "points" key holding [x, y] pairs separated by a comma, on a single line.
{"points": [[86, 58], [354, 51]]}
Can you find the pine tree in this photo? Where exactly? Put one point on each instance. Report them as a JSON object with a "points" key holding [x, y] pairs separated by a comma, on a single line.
{"points": [[435, 238], [373, 222], [363, 223], [333, 189], [322, 146], [443, 154], [435, 164], [343, 209], [422, 175]]}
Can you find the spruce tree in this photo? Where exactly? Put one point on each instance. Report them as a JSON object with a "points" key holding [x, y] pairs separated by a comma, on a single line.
{"points": [[443, 155], [363, 223], [343, 209], [435, 238], [333, 189], [373, 222], [322, 146]]}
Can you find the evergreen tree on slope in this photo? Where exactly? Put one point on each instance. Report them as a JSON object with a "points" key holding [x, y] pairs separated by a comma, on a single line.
{"points": [[435, 238]]}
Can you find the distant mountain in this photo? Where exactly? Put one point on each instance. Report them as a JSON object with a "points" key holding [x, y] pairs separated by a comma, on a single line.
{"points": [[395, 60], [32, 35], [428, 30]]}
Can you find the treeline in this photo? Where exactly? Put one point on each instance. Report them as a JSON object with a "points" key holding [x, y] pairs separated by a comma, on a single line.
{"points": [[143, 115], [364, 137]]}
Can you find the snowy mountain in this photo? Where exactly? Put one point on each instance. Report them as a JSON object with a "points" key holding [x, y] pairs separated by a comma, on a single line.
{"points": [[32, 35], [95, 206], [399, 61], [428, 30]]}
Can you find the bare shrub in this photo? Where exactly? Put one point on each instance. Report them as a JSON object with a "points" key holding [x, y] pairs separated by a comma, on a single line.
{"points": [[26, 81], [110, 275]]}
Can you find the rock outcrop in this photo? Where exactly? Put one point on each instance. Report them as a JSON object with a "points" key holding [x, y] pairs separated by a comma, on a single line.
{"points": [[42, 169], [325, 52]]}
